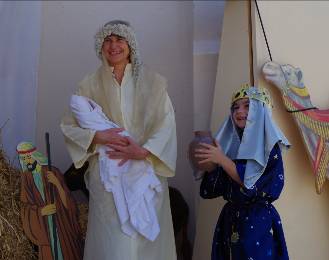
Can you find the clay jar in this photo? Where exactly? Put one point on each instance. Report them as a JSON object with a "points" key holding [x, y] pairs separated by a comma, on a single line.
{"points": [[200, 137]]}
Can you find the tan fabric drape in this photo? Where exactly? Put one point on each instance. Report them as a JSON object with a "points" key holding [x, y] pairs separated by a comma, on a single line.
{"points": [[145, 111]]}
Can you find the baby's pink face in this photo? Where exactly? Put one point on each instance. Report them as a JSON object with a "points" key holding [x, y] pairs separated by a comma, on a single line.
{"points": [[240, 109]]}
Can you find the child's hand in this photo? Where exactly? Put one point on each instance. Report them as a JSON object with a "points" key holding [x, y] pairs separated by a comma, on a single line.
{"points": [[209, 153]]}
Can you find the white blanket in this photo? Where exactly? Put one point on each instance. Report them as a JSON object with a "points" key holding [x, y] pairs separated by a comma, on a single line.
{"points": [[134, 185]]}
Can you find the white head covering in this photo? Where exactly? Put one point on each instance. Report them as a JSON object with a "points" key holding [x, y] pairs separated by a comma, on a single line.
{"points": [[259, 135]]}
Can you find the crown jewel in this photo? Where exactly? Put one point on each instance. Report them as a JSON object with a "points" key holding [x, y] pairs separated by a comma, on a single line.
{"points": [[258, 93]]}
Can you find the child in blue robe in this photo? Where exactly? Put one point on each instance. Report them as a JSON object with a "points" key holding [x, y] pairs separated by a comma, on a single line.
{"points": [[248, 173]]}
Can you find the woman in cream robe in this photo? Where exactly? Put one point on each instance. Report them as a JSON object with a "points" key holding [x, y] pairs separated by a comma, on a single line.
{"points": [[137, 101]]}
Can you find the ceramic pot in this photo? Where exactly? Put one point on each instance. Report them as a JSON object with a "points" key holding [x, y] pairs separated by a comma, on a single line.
{"points": [[200, 137]]}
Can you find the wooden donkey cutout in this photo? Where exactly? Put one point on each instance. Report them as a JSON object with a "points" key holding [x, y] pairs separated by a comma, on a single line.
{"points": [[313, 123]]}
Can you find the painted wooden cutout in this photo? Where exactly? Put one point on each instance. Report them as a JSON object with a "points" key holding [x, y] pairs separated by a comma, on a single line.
{"points": [[313, 123], [37, 209]]}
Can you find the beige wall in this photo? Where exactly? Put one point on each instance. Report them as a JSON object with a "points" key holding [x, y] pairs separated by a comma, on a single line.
{"points": [[296, 32], [165, 33], [299, 38], [204, 76], [232, 70], [207, 14]]}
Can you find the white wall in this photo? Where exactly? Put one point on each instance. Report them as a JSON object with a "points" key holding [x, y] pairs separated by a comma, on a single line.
{"points": [[19, 55], [165, 34]]}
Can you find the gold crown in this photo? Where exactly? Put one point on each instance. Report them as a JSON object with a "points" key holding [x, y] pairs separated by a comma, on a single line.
{"points": [[258, 93]]}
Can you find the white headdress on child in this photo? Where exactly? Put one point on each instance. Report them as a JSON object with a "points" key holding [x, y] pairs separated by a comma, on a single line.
{"points": [[259, 135]]}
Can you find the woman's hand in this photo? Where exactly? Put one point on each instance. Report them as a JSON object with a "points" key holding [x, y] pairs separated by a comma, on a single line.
{"points": [[110, 136], [131, 151], [209, 153]]}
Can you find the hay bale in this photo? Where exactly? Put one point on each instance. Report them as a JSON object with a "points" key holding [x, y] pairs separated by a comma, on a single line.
{"points": [[13, 242], [83, 218]]}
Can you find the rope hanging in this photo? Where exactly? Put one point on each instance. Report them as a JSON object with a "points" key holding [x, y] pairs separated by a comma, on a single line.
{"points": [[251, 51], [269, 52], [261, 22]]}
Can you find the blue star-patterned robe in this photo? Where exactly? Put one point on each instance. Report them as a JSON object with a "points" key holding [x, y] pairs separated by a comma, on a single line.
{"points": [[249, 227]]}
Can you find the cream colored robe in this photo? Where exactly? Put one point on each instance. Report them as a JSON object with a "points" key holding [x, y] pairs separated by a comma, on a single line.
{"points": [[147, 114]]}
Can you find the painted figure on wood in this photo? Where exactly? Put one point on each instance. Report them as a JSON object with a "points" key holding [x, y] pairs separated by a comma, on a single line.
{"points": [[313, 123], [48, 212]]}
